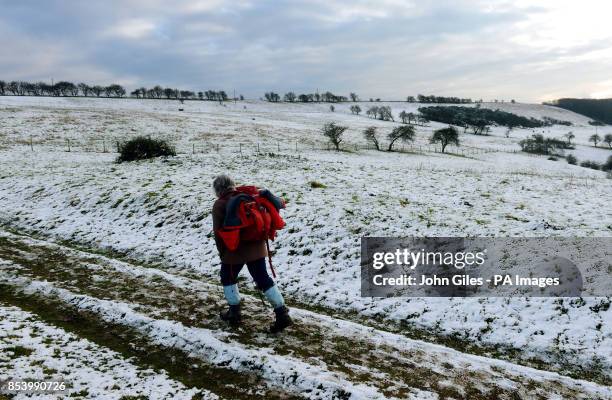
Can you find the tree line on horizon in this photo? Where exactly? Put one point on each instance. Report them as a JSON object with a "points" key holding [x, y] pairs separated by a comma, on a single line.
{"points": [[329, 97], [292, 97], [70, 89]]}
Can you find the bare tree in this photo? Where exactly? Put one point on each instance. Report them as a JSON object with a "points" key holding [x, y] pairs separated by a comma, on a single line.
{"points": [[290, 97], [97, 90], [84, 88], [405, 133], [385, 114], [445, 136], [272, 97], [115, 90], [569, 136], [354, 97], [404, 116], [595, 139], [334, 133], [412, 116], [169, 93], [371, 135], [355, 109], [157, 91], [2, 88], [13, 87], [608, 140], [65, 88], [186, 94], [372, 112]]}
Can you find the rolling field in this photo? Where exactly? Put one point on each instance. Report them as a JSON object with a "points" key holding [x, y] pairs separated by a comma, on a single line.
{"points": [[118, 261]]}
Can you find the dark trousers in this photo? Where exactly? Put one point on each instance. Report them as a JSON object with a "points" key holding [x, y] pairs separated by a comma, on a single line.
{"points": [[257, 269]]}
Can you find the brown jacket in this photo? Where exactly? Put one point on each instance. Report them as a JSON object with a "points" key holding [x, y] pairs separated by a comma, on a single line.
{"points": [[246, 251]]}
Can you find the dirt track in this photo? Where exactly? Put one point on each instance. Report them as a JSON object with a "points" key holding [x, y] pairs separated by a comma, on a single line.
{"points": [[171, 322]]}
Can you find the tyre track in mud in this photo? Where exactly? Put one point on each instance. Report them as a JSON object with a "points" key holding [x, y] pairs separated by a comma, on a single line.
{"points": [[389, 364]]}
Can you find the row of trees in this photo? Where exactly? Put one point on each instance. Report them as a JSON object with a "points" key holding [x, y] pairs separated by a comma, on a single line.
{"points": [[607, 139], [65, 88], [476, 118], [291, 97], [157, 92], [382, 113], [329, 97], [62, 88], [406, 133], [437, 99], [598, 109], [538, 144]]}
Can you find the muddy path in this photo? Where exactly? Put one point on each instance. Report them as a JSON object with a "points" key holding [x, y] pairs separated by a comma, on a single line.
{"points": [[171, 322]]}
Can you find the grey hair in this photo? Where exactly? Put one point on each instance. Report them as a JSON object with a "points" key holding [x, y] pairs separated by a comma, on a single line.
{"points": [[223, 183]]}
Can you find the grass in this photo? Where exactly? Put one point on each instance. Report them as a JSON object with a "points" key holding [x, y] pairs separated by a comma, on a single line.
{"points": [[317, 185], [132, 345], [18, 351], [404, 327]]}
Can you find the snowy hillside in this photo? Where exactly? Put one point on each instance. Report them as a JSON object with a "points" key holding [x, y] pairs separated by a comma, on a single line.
{"points": [[158, 213]]}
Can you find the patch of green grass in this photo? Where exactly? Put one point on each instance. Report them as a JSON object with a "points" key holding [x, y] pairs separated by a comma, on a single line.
{"points": [[317, 185], [18, 351], [116, 204], [515, 218]]}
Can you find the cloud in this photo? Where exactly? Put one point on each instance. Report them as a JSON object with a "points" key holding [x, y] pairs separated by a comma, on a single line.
{"points": [[521, 49], [133, 28]]}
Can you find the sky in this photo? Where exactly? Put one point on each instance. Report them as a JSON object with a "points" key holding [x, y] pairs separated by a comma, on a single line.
{"points": [[528, 50]]}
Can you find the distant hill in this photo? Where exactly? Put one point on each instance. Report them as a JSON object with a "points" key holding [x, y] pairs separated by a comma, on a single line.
{"points": [[597, 109]]}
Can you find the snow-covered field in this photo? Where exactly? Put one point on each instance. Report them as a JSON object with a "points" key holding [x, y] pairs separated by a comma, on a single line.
{"points": [[38, 351], [158, 212]]}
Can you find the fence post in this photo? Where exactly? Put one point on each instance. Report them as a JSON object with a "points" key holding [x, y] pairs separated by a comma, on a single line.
{"points": [[217, 147], [278, 147], [103, 146], [257, 147], [192, 148], [68, 143], [296, 149], [31, 144], [118, 149], [240, 148]]}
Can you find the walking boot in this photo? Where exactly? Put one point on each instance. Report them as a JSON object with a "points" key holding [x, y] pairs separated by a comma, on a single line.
{"points": [[232, 315], [283, 320]]}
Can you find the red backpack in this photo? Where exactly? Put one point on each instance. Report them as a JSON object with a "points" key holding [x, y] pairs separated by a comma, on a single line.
{"points": [[251, 215]]}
